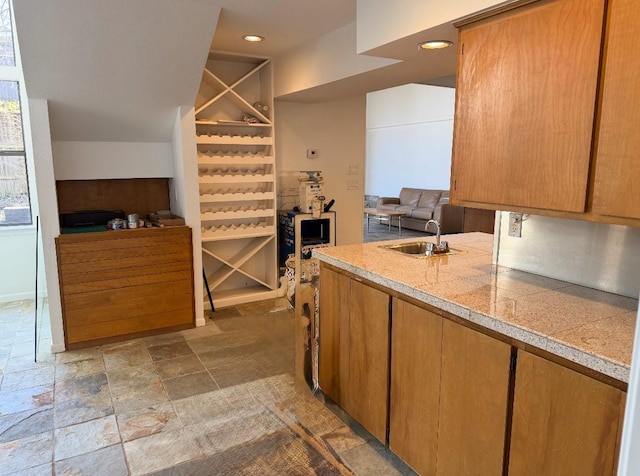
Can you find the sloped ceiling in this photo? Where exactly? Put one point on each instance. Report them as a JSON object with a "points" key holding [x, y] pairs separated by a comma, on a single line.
{"points": [[114, 70]]}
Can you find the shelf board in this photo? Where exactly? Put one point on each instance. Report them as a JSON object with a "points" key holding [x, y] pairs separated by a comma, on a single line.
{"points": [[209, 179], [235, 159], [234, 297], [238, 233], [203, 122], [232, 215], [236, 197], [233, 140]]}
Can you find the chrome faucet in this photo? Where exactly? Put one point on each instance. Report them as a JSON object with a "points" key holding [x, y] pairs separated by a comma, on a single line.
{"points": [[440, 248], [437, 224]]}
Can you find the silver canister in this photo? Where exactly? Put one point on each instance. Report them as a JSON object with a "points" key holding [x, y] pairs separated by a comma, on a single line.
{"points": [[132, 220]]}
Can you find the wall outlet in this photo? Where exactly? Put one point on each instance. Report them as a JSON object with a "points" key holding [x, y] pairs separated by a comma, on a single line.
{"points": [[353, 183], [312, 153], [515, 225]]}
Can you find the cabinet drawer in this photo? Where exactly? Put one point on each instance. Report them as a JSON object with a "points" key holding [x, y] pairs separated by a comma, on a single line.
{"points": [[116, 264], [129, 325]]}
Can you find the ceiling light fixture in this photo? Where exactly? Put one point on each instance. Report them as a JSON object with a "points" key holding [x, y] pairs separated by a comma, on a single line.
{"points": [[434, 44], [253, 38]]}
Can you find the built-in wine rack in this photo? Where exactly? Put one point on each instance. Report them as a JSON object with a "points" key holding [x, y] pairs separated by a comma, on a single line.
{"points": [[236, 174]]}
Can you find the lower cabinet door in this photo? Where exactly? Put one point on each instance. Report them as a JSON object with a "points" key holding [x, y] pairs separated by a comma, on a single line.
{"points": [[415, 385], [364, 359], [334, 317], [474, 400], [563, 422]]}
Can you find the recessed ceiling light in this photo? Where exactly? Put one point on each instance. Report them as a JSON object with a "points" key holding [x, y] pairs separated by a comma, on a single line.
{"points": [[434, 45], [253, 38]]}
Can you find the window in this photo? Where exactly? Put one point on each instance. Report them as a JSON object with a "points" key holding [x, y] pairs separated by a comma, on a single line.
{"points": [[15, 208], [7, 54]]}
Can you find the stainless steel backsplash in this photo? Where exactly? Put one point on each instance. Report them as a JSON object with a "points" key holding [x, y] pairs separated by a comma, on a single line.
{"points": [[605, 257]]}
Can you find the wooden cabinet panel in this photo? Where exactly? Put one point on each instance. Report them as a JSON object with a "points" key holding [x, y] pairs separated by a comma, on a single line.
{"points": [[416, 344], [354, 349], [334, 313], [123, 283], [617, 164], [525, 104], [474, 400], [563, 422], [364, 356]]}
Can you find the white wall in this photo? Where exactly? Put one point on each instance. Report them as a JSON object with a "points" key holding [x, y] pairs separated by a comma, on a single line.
{"points": [[48, 206], [17, 255], [184, 194], [409, 137], [112, 160], [337, 130], [327, 59], [381, 21]]}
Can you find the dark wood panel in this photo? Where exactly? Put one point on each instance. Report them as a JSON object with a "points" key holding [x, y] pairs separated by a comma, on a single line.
{"points": [[416, 343], [563, 422], [473, 402], [127, 282], [123, 240], [121, 254], [133, 335], [128, 325], [476, 219], [133, 307], [141, 196], [124, 273], [120, 297], [142, 261]]}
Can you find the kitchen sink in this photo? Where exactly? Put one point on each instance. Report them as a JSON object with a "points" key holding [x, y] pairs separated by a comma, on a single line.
{"points": [[418, 249]]}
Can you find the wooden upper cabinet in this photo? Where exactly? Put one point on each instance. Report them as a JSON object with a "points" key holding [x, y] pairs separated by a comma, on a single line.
{"points": [[525, 106], [563, 422], [617, 162]]}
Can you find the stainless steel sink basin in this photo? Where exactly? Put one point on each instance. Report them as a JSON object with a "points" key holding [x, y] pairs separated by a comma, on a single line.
{"points": [[417, 249]]}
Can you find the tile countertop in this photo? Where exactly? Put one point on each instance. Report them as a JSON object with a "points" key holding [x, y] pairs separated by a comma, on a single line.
{"points": [[590, 327]]}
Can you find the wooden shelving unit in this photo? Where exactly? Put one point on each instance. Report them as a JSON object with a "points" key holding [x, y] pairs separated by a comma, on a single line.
{"points": [[236, 176]]}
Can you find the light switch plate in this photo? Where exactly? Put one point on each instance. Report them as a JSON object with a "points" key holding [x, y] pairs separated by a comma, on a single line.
{"points": [[353, 169]]}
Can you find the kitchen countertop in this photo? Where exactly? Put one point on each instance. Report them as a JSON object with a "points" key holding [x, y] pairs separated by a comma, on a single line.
{"points": [[590, 327]]}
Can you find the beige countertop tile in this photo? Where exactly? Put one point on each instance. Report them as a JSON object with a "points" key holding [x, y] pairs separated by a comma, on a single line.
{"points": [[587, 326]]}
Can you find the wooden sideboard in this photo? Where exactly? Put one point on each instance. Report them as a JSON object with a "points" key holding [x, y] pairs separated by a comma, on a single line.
{"points": [[116, 285]]}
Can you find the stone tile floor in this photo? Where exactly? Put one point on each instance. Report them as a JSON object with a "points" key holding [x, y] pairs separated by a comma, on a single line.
{"points": [[380, 232], [215, 400]]}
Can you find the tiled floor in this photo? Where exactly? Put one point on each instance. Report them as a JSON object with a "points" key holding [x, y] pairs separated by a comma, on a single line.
{"points": [[215, 400], [380, 232]]}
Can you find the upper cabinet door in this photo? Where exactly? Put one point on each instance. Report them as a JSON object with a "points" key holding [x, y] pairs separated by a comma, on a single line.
{"points": [[525, 106], [617, 164]]}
